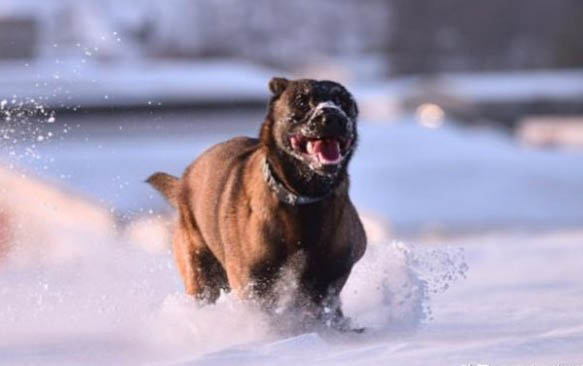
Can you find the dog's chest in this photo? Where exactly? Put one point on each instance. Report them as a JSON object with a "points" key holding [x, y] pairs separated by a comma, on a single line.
{"points": [[314, 232]]}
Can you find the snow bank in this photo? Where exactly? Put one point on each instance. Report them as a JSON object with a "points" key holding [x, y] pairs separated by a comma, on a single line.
{"points": [[43, 223]]}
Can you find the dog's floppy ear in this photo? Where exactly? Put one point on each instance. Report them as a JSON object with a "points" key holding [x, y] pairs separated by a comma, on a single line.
{"points": [[278, 85]]}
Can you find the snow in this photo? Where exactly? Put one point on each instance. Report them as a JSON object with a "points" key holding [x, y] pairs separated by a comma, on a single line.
{"points": [[501, 283], [119, 304], [454, 178], [117, 299]]}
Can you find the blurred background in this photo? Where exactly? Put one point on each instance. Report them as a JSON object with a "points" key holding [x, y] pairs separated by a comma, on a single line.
{"points": [[472, 111]]}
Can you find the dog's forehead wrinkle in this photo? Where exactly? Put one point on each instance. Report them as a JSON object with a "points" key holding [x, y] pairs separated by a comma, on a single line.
{"points": [[329, 87]]}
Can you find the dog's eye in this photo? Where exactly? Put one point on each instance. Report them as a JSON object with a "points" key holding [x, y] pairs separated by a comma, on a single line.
{"points": [[345, 102], [302, 101], [341, 102]]}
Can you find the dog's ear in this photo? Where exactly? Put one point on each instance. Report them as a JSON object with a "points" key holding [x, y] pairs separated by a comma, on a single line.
{"points": [[278, 85]]}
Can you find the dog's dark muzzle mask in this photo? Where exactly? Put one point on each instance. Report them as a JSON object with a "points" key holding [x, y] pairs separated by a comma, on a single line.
{"points": [[325, 139]]}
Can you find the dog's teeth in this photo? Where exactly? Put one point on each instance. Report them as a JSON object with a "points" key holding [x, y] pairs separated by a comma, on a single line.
{"points": [[310, 147]]}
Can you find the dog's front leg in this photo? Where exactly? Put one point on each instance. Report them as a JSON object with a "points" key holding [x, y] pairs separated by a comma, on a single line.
{"points": [[255, 283], [202, 274], [330, 307]]}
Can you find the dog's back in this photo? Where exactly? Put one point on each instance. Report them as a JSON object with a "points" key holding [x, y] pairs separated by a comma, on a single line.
{"points": [[209, 171], [207, 176]]}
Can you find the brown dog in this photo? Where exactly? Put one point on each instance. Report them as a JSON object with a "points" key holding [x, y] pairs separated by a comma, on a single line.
{"points": [[250, 207]]}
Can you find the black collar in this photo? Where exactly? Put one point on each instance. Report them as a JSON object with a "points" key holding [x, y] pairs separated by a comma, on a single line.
{"points": [[284, 194]]}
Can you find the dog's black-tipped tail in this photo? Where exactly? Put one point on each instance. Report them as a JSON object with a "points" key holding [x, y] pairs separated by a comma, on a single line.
{"points": [[168, 185]]}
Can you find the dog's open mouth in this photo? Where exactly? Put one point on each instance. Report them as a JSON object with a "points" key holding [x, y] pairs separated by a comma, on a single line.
{"points": [[323, 151]]}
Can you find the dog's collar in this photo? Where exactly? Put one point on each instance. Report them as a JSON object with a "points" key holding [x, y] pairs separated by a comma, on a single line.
{"points": [[284, 194]]}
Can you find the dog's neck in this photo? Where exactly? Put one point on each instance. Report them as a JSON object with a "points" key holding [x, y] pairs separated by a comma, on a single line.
{"points": [[283, 193], [300, 181]]}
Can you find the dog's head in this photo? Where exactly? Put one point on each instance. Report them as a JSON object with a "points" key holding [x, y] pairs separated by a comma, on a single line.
{"points": [[312, 125]]}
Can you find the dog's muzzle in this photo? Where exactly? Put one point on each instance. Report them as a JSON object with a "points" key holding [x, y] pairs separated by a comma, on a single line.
{"points": [[329, 122], [326, 138]]}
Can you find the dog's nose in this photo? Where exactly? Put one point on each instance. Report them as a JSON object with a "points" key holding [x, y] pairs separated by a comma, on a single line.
{"points": [[333, 120], [331, 117], [329, 121]]}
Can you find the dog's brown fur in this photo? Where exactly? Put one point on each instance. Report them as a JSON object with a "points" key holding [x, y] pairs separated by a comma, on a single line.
{"points": [[234, 233]]}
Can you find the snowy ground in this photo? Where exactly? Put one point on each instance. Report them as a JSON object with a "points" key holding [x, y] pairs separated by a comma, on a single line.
{"points": [[495, 276]]}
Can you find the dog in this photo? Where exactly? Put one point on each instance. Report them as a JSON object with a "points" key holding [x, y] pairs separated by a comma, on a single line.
{"points": [[250, 207]]}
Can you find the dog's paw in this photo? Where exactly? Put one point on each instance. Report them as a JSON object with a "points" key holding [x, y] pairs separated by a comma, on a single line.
{"points": [[359, 330], [343, 324]]}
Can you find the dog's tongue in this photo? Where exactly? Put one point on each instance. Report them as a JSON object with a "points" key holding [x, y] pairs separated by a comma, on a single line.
{"points": [[328, 151]]}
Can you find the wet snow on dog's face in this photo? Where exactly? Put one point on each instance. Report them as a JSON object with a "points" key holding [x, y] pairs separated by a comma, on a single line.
{"points": [[315, 122]]}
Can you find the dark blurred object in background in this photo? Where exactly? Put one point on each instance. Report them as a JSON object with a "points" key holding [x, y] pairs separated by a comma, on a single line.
{"points": [[459, 35], [18, 38]]}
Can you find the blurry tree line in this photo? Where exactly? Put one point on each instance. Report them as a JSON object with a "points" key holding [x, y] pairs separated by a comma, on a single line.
{"points": [[409, 36], [413, 36]]}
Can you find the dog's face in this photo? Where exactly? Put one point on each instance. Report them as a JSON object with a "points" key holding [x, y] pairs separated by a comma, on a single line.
{"points": [[314, 122]]}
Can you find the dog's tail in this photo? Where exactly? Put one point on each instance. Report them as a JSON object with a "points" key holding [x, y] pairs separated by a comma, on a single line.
{"points": [[166, 184]]}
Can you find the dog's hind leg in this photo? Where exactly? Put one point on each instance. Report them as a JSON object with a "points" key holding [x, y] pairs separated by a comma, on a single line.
{"points": [[202, 274]]}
